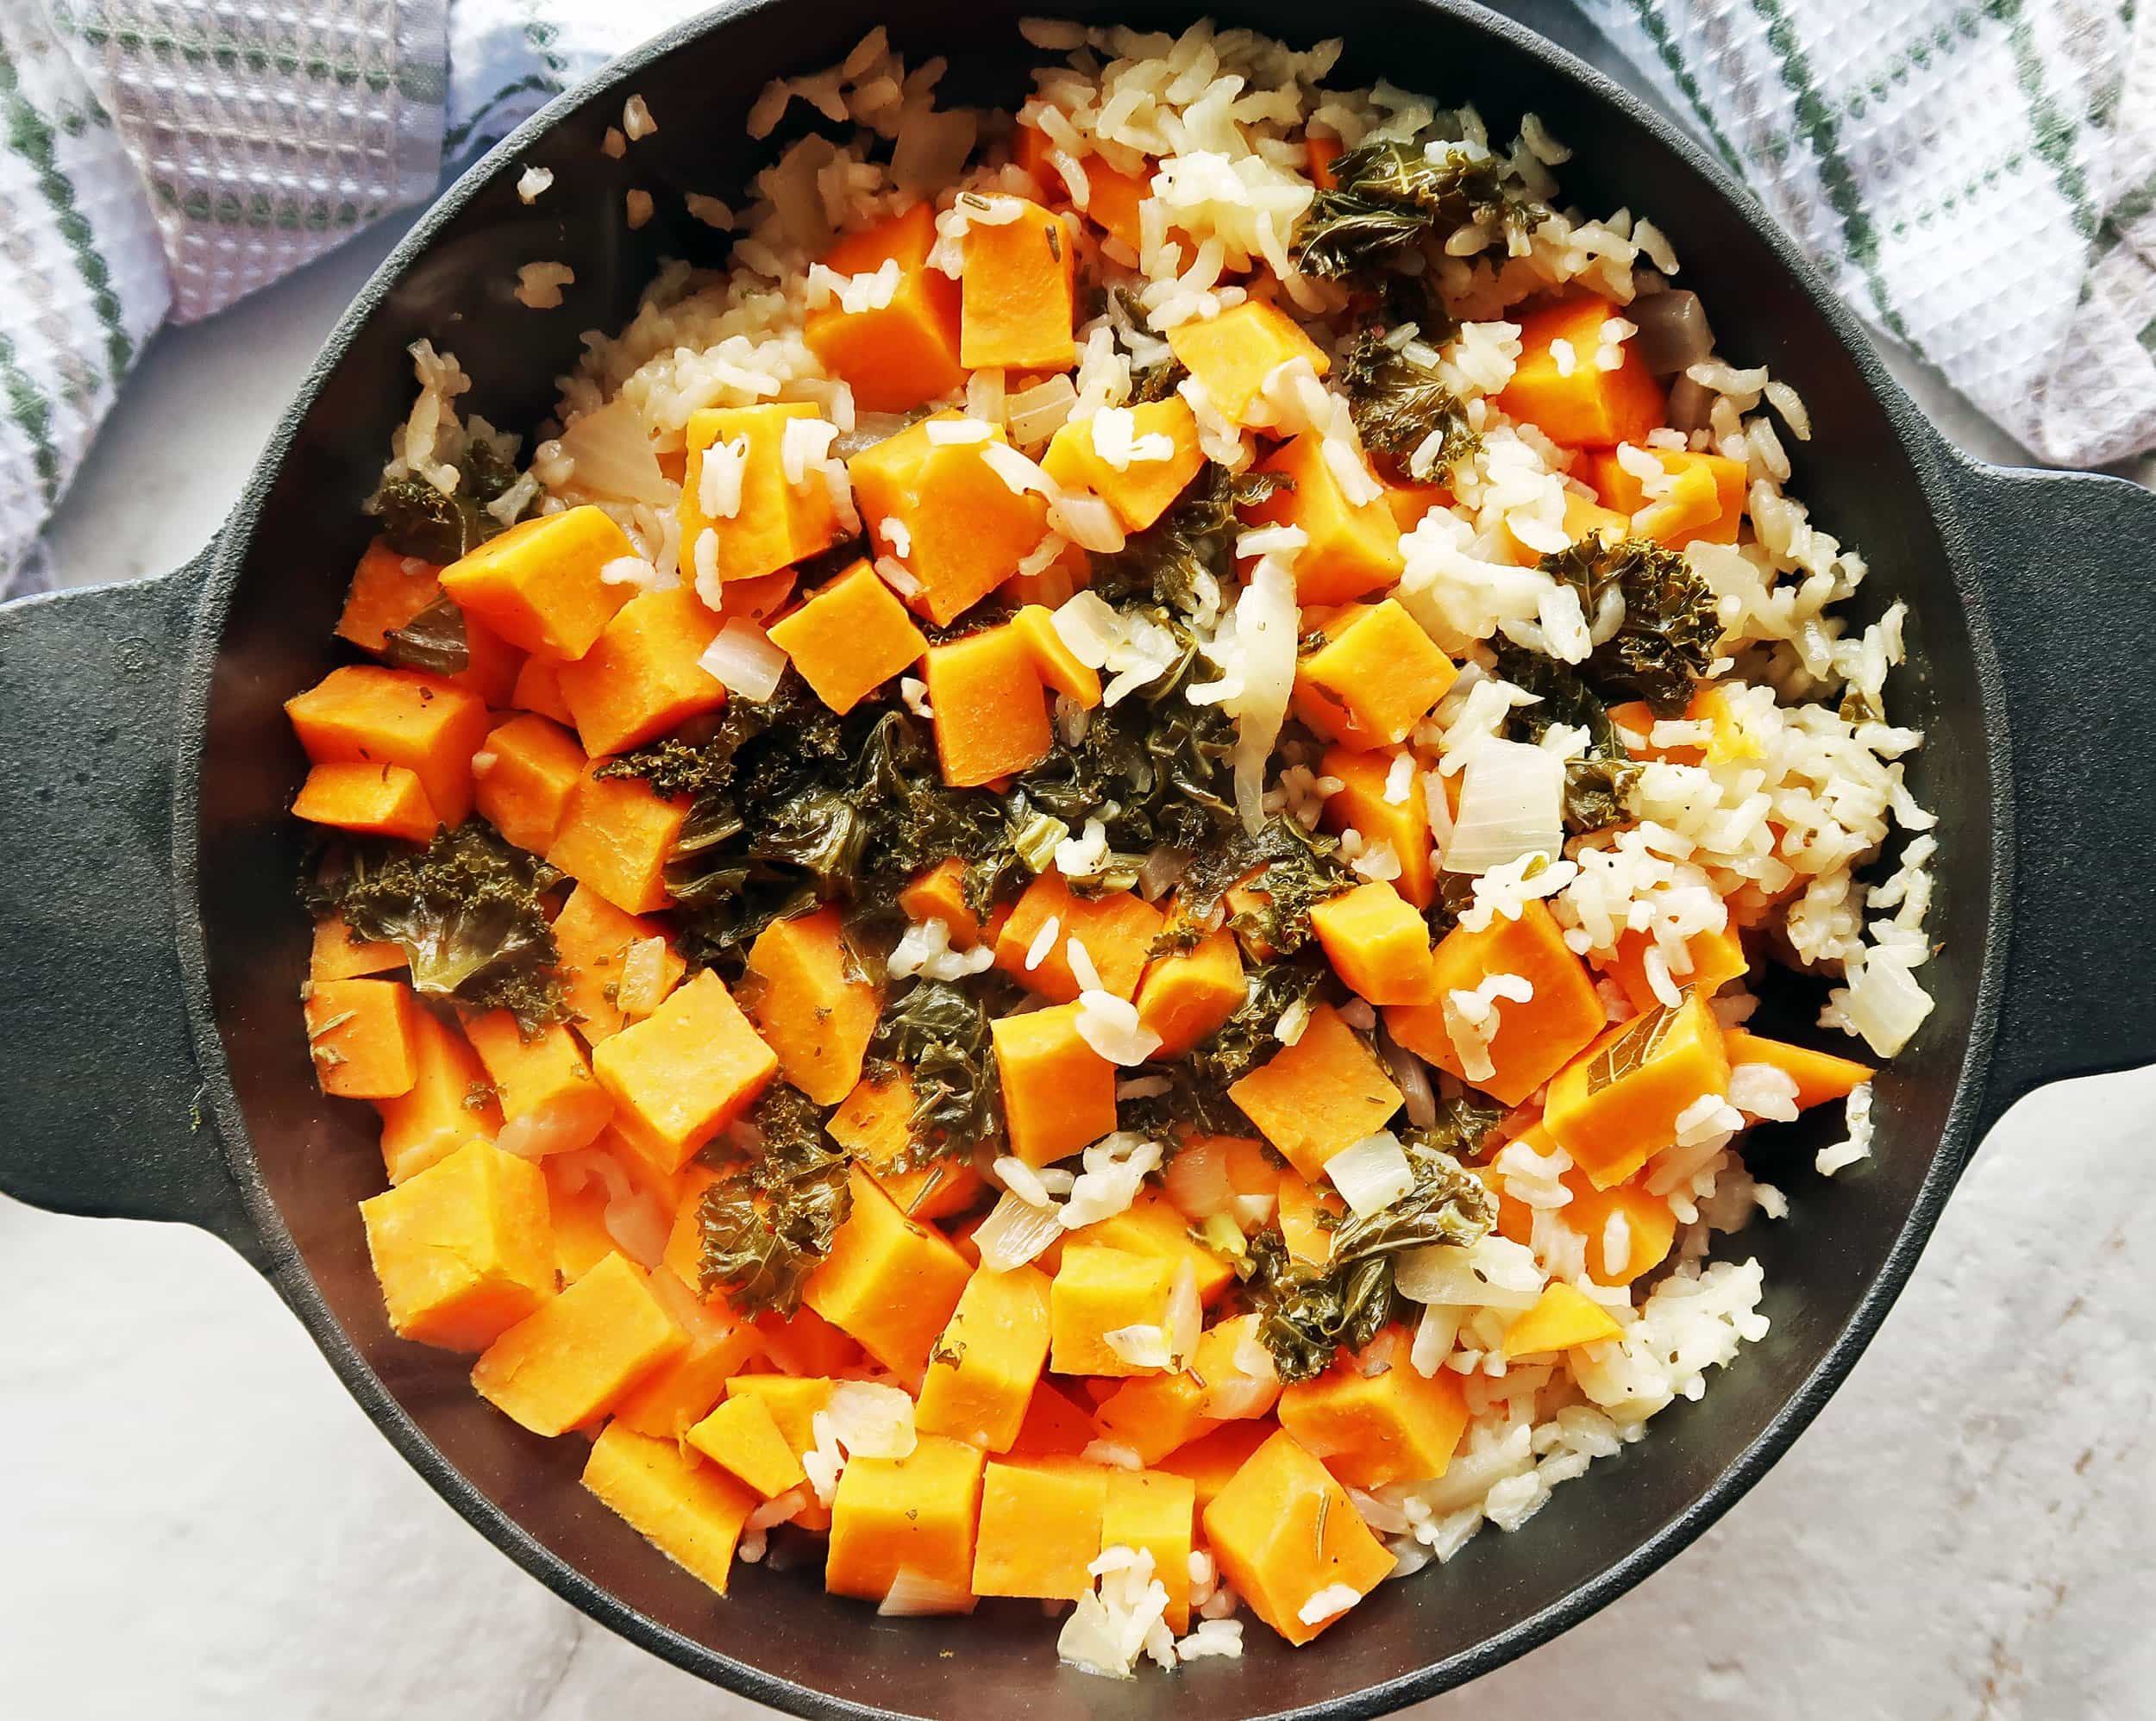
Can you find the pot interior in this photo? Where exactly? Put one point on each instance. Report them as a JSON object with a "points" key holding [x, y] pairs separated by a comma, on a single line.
{"points": [[319, 1159]]}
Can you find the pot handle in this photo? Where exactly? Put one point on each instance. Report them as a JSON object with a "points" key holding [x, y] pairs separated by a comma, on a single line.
{"points": [[103, 1110], [2069, 581]]}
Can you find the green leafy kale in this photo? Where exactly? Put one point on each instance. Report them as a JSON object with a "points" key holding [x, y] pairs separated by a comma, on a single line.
{"points": [[1598, 787], [1248, 1037], [1386, 195], [767, 1227], [1671, 626], [433, 640], [1306, 1312], [938, 1033], [418, 520], [1462, 1128], [1399, 404], [467, 910], [1196, 536], [1301, 868]]}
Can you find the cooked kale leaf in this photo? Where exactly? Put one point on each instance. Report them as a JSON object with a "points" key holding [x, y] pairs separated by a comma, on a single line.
{"points": [[467, 910], [767, 1227], [938, 1033], [1195, 537], [1398, 404], [419, 520], [1447, 1204], [1598, 787], [1388, 194], [1463, 1128], [1671, 626], [435, 641], [1301, 868]]}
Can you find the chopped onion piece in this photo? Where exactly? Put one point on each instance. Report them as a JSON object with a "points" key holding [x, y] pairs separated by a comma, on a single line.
{"points": [[1141, 1346], [1673, 333], [871, 1421], [914, 1593], [1014, 1232], [1512, 804], [744, 661], [1265, 632], [1185, 1316], [1372, 1174], [1196, 1181], [1493, 1272], [611, 451]]}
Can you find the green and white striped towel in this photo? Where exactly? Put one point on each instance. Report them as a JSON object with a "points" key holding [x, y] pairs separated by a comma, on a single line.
{"points": [[1978, 176]]}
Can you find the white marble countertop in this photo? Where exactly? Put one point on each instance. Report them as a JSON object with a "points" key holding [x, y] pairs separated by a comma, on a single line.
{"points": [[200, 1525]]}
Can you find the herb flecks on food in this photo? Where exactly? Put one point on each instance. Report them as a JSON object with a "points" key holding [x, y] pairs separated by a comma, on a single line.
{"points": [[1398, 403], [767, 1227], [466, 911], [419, 520], [1388, 194]]}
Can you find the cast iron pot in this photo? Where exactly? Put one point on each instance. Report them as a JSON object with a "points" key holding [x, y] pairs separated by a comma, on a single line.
{"points": [[154, 1066]]}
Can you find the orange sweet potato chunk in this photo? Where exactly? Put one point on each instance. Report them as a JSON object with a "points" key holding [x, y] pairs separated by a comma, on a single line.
{"points": [[1058, 1092], [336, 955], [1232, 356], [1560, 387], [449, 1102], [691, 1512], [1354, 548], [1040, 1528], [900, 354], [571, 1360], [1319, 1096], [991, 708], [1284, 1530], [1139, 491], [686, 1072], [775, 522], [527, 770], [641, 680], [543, 1081], [889, 1283], [849, 638], [594, 939], [363, 713], [615, 836], [361, 1034], [1117, 928], [464, 1250], [810, 998], [368, 800], [538, 586], [1018, 304]]}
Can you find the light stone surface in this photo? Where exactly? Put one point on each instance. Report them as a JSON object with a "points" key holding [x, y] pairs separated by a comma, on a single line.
{"points": [[199, 1525]]}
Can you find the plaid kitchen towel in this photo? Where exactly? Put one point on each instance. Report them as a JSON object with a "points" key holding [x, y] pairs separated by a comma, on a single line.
{"points": [[1978, 176]]}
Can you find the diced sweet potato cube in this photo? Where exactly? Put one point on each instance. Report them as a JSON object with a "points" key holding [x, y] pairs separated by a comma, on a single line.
{"points": [[369, 800], [1625, 494], [616, 837], [1054, 1426], [1118, 930], [990, 707], [364, 714], [537, 585], [1232, 356], [1376, 676], [1307, 1214], [1285, 1531], [1319, 1096], [1618, 1102], [1533, 1040], [362, 1035], [849, 638], [641, 680], [1629, 1231], [805, 1343], [1186, 996], [1561, 1319], [691, 1512], [1058, 1092], [982, 1371], [1716, 958], [538, 688], [900, 354], [961, 531], [1377, 944], [463, 1250], [1017, 305], [450, 1101], [1230, 1388], [1040, 1528], [678, 1394], [793, 1401], [336, 955], [1819, 1076], [774, 523], [594, 939], [1411, 503], [1354, 548], [544, 1082], [888, 1283], [686, 1071], [1360, 804], [1155, 1414], [1211, 1460], [1154, 1511], [874, 1125], [1582, 517], [1139, 491], [530, 772], [914, 1514], [1560, 387], [743, 1437], [1375, 1418], [1151, 1225], [1098, 1291], [940, 894], [388, 589], [1059, 668], [812, 1001], [571, 1359]]}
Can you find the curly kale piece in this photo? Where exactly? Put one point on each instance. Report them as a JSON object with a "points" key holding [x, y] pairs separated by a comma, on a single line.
{"points": [[1300, 869], [467, 910], [1195, 537], [1249, 1037], [1387, 194], [937, 1032], [1463, 1129], [1671, 628], [767, 1227], [1398, 404], [419, 520], [434, 641], [1306, 1312]]}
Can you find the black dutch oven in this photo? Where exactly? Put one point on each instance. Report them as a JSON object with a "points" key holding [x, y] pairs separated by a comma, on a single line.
{"points": [[155, 1066]]}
